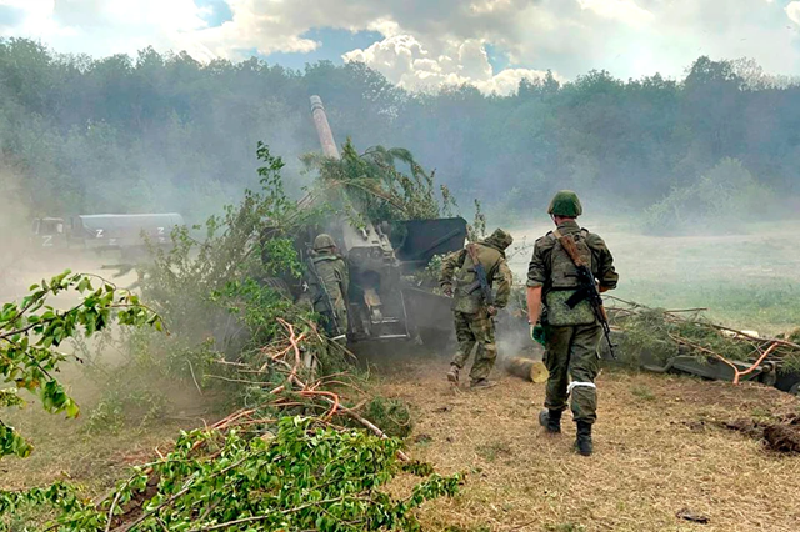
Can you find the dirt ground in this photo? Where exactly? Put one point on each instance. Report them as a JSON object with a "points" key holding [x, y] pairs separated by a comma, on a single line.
{"points": [[69, 449], [657, 452]]}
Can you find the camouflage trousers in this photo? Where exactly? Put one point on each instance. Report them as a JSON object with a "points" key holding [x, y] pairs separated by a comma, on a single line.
{"points": [[340, 311], [572, 350], [472, 329], [336, 321], [341, 315]]}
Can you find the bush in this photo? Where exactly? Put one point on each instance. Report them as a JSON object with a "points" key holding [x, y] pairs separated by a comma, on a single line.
{"points": [[645, 340], [721, 201], [390, 415], [138, 384], [32, 333], [130, 408], [652, 336]]}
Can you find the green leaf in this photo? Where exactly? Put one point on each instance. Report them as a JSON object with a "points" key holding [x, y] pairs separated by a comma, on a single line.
{"points": [[71, 408]]}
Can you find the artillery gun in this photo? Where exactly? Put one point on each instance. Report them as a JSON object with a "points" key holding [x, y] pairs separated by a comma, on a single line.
{"points": [[383, 303]]}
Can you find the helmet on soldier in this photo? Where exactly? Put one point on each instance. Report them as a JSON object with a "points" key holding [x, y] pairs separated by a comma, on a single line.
{"points": [[565, 203], [501, 238], [324, 241]]}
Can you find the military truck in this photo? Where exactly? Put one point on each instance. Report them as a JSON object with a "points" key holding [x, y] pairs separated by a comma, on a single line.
{"points": [[383, 303], [102, 232]]}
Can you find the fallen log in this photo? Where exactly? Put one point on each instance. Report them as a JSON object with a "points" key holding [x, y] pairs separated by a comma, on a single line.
{"points": [[529, 369]]}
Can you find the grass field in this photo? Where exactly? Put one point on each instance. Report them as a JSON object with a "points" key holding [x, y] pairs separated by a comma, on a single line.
{"points": [[652, 457], [749, 281]]}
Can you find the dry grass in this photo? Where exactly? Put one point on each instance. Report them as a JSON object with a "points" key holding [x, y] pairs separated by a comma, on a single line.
{"points": [[648, 462], [64, 449], [651, 458]]}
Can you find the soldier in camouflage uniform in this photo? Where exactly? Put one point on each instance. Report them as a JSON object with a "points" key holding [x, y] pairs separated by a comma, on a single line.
{"points": [[473, 316], [329, 297], [570, 335]]}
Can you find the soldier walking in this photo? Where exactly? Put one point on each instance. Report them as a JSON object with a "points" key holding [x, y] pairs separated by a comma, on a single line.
{"points": [[570, 334], [331, 285], [473, 306]]}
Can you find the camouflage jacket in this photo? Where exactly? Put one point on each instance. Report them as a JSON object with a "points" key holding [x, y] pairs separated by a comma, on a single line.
{"points": [[333, 273], [468, 296], [551, 268]]}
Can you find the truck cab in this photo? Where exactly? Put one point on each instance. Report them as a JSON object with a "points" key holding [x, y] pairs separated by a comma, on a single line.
{"points": [[49, 233]]}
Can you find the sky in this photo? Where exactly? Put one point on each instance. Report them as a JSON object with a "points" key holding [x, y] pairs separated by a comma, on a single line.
{"points": [[422, 44]]}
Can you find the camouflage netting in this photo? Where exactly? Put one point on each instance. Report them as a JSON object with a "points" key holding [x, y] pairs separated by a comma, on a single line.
{"points": [[380, 185]]}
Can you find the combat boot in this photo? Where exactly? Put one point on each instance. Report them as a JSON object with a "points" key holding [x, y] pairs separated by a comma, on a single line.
{"points": [[452, 375], [583, 440], [550, 420], [481, 383]]}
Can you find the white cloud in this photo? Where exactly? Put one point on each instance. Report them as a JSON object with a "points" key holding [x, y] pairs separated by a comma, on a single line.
{"points": [[793, 11], [105, 27], [440, 41], [31, 5], [405, 61], [626, 11]]}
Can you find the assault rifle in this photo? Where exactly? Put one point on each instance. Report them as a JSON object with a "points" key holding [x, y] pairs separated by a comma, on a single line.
{"points": [[587, 289], [486, 290]]}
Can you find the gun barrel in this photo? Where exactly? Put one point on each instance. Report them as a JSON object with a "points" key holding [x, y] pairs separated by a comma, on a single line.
{"points": [[323, 128]]}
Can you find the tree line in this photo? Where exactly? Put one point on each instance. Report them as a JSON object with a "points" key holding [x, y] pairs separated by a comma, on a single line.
{"points": [[160, 132]]}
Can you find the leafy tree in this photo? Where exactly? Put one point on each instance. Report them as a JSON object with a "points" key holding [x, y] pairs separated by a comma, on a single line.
{"points": [[720, 201], [381, 184], [32, 331], [173, 133]]}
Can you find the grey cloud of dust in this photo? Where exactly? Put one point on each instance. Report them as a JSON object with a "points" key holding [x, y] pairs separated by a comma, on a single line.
{"points": [[15, 257], [23, 263]]}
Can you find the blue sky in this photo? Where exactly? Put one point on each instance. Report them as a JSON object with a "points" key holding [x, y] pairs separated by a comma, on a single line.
{"points": [[424, 44], [11, 16], [498, 58], [333, 44], [220, 11]]}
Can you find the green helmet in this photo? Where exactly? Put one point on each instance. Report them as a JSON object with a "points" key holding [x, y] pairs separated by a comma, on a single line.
{"points": [[565, 203], [501, 239], [324, 241]]}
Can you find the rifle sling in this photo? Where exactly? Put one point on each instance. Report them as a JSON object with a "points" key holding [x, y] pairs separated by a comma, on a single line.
{"points": [[582, 292]]}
